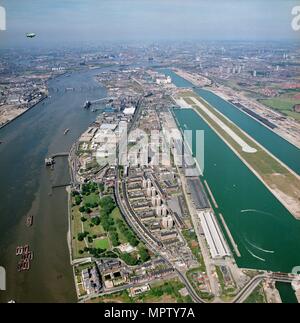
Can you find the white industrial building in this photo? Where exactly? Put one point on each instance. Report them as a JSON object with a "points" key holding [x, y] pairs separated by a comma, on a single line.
{"points": [[214, 237], [129, 111]]}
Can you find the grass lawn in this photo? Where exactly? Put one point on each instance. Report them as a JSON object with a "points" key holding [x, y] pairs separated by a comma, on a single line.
{"points": [[117, 215], [76, 227], [91, 198], [257, 296], [95, 230], [283, 104], [101, 243], [163, 292]]}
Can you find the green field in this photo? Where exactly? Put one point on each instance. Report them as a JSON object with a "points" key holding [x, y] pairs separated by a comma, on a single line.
{"points": [[160, 292], [192, 241], [261, 162], [76, 226], [257, 296], [92, 198], [284, 104], [201, 293], [117, 215], [101, 243]]}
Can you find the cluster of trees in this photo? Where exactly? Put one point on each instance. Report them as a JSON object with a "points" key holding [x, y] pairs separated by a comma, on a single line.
{"points": [[74, 193], [129, 259], [114, 238], [101, 187], [78, 199], [98, 252], [129, 235], [85, 209], [96, 220], [89, 188], [107, 204], [107, 222], [82, 235], [144, 254]]}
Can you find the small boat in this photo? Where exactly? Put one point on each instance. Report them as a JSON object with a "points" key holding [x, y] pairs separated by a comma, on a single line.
{"points": [[26, 265], [25, 249], [66, 131], [19, 266], [29, 220], [30, 254], [19, 250]]}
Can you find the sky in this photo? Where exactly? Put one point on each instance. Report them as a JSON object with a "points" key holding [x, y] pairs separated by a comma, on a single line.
{"points": [[61, 21]]}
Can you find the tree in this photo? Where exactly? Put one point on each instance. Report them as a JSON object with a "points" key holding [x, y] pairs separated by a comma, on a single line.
{"points": [[88, 210], [114, 239], [82, 209], [83, 219], [96, 220], [101, 187], [107, 204], [144, 254], [129, 260], [81, 236], [78, 199]]}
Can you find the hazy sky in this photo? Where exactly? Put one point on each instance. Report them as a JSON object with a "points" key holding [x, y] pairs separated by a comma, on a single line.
{"points": [[100, 20]]}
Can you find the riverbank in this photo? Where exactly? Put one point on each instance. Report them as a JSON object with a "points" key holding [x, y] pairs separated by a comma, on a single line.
{"points": [[28, 190], [23, 112]]}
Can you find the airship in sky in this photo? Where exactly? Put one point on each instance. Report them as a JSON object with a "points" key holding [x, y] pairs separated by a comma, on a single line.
{"points": [[30, 35]]}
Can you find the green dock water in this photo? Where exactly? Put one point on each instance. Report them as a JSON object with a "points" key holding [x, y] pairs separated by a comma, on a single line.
{"points": [[268, 236]]}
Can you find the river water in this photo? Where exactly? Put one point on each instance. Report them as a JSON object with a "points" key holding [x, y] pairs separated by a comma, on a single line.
{"points": [[26, 188], [267, 235]]}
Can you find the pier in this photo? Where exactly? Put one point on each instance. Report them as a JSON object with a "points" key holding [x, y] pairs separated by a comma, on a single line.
{"points": [[234, 245], [88, 103], [50, 161], [211, 195]]}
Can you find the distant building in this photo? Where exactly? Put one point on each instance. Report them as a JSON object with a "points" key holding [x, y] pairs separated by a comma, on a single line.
{"points": [[129, 111]]}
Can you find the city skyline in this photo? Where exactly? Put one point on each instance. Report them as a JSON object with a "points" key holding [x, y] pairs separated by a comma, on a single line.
{"points": [[93, 21]]}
